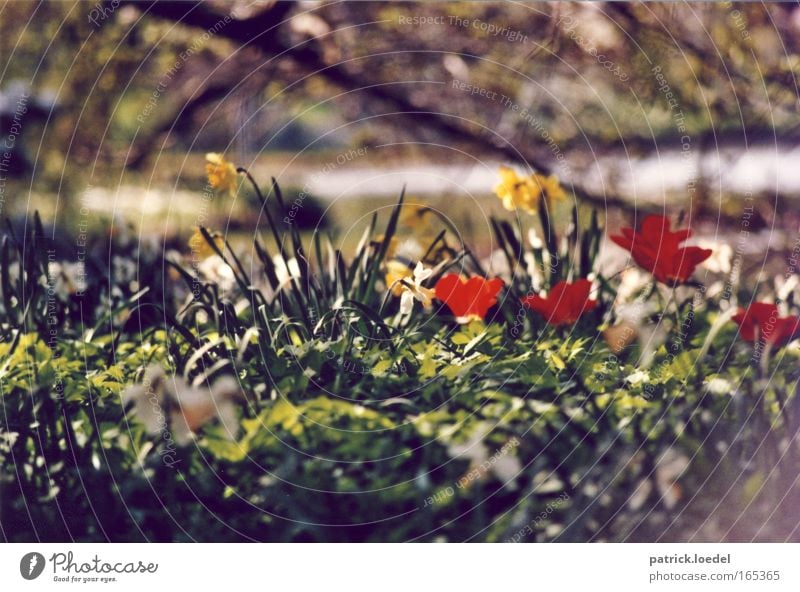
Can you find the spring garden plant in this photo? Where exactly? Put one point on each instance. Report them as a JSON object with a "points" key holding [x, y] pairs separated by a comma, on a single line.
{"points": [[410, 390]]}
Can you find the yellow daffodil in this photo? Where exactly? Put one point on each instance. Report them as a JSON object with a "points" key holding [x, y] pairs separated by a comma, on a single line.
{"points": [[413, 215], [222, 174], [200, 247], [515, 191], [421, 220], [518, 192], [413, 290], [550, 187], [396, 271]]}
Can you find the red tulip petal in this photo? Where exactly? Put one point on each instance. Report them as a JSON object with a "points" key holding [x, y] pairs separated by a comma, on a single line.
{"points": [[564, 303], [473, 297], [655, 226], [762, 312], [447, 290], [747, 328], [626, 242], [537, 304]]}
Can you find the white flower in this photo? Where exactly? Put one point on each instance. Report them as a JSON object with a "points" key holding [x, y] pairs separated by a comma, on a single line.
{"points": [[670, 467], [413, 290], [785, 286], [67, 277], [721, 256], [533, 268], [637, 378], [718, 386], [632, 280], [170, 406], [497, 264], [286, 270], [214, 269], [534, 240], [124, 270], [503, 462], [410, 249]]}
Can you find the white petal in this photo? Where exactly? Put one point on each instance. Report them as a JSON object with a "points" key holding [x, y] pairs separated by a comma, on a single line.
{"points": [[420, 273], [406, 302]]}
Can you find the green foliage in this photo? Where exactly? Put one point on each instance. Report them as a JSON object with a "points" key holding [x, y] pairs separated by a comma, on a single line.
{"points": [[360, 424]]}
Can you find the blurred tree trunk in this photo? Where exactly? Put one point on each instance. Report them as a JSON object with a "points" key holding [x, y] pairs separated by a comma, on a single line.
{"points": [[263, 30]]}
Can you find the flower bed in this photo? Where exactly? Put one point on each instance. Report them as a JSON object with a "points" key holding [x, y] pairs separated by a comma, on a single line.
{"points": [[411, 390]]}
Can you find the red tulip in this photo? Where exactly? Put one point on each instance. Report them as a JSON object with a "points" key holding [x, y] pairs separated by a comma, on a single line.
{"points": [[771, 328], [565, 303], [468, 299], [657, 249]]}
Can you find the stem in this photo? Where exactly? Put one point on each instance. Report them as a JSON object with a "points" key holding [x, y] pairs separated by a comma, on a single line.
{"points": [[550, 241]]}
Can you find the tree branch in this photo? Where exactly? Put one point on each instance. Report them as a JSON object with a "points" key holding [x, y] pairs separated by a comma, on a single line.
{"points": [[261, 31]]}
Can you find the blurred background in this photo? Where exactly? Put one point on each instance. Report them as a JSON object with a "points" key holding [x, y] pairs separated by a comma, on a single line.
{"points": [[108, 109]]}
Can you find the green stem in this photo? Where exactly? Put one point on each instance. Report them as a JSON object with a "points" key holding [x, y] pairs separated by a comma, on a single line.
{"points": [[551, 241]]}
